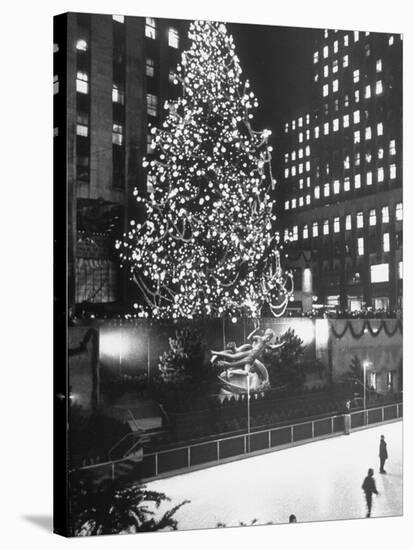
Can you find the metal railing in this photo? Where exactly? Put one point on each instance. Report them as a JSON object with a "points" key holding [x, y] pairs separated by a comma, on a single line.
{"points": [[224, 449]]}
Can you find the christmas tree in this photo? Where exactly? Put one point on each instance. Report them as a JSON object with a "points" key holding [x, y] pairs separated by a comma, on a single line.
{"points": [[207, 245]]}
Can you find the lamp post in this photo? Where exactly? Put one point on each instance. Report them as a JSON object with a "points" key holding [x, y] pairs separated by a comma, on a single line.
{"points": [[365, 366], [248, 413]]}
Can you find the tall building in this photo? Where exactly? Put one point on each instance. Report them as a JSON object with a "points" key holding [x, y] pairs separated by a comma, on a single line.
{"points": [[112, 76], [340, 176]]}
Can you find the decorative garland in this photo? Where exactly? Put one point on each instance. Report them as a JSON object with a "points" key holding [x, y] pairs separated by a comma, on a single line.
{"points": [[367, 326]]}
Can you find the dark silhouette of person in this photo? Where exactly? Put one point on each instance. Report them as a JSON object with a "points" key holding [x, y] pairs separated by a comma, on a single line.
{"points": [[369, 487], [382, 454], [292, 519]]}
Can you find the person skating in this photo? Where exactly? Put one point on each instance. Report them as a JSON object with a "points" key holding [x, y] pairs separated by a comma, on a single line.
{"points": [[369, 487], [382, 454]]}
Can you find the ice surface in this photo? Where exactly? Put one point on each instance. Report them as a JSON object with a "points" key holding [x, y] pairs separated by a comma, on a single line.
{"points": [[316, 481]]}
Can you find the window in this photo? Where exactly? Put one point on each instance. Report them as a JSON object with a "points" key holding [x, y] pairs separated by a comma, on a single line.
{"points": [[380, 129], [399, 211], [325, 71], [367, 50], [356, 36], [372, 217], [119, 18], [357, 159], [307, 165], [307, 135], [379, 66], [335, 66], [82, 125], [356, 117], [380, 153], [300, 137], [286, 235], [335, 85], [326, 128], [293, 155], [117, 134], [336, 224], [317, 192], [348, 222], [357, 136], [118, 95], [392, 171], [294, 203], [287, 205], [300, 122], [345, 61], [356, 96], [326, 190], [149, 143], [315, 229], [360, 221], [295, 233], [367, 91], [391, 40], [386, 242], [379, 87], [347, 162], [325, 33], [286, 172], [385, 214], [357, 181], [368, 157], [82, 82], [150, 67], [369, 178], [367, 133], [347, 183], [173, 38], [301, 183], [171, 76], [301, 201], [360, 246], [307, 199], [392, 147], [56, 84], [307, 150], [356, 75], [307, 119], [325, 90], [325, 51], [293, 170], [315, 57], [335, 125], [151, 104], [335, 46], [316, 132], [293, 125], [346, 39], [81, 45], [336, 187], [400, 270], [150, 28], [305, 232], [326, 227], [372, 380], [380, 174]]}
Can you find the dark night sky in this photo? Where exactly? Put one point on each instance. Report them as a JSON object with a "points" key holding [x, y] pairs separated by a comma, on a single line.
{"points": [[278, 62]]}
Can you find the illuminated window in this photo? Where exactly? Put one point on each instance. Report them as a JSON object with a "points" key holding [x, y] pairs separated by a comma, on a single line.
{"points": [[171, 76], [149, 143], [301, 183], [150, 67], [379, 87], [357, 181], [379, 65], [347, 162], [356, 96], [82, 82], [286, 235], [347, 183], [367, 49], [379, 273], [307, 151], [118, 95], [356, 117], [357, 159], [336, 225], [117, 134], [286, 172], [150, 27], [386, 242], [326, 227], [335, 85], [315, 229], [307, 199], [356, 75], [360, 246], [286, 127], [325, 71], [380, 129], [300, 137], [325, 51], [315, 57], [316, 132], [346, 39], [335, 125], [326, 129], [325, 90], [173, 38], [294, 203], [293, 155], [336, 187], [357, 136], [307, 165], [391, 40], [369, 178], [151, 104], [360, 221], [356, 36], [293, 170], [295, 232], [367, 133], [335, 66], [300, 153], [287, 205], [300, 168], [305, 232], [335, 46], [392, 171], [307, 119], [300, 121], [380, 174], [82, 124], [307, 135], [367, 91], [326, 190], [293, 125], [380, 153], [400, 270], [345, 61], [348, 222], [399, 211], [385, 214], [392, 147], [56, 84], [368, 157], [317, 192], [301, 201], [119, 18], [372, 217], [325, 33], [81, 45]]}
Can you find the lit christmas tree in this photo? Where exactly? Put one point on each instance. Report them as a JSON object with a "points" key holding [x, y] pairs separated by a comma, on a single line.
{"points": [[207, 247]]}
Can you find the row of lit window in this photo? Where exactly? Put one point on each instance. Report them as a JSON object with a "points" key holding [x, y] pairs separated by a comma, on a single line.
{"points": [[297, 123], [150, 70], [346, 43], [334, 68], [300, 154], [356, 78], [151, 32], [335, 126]]}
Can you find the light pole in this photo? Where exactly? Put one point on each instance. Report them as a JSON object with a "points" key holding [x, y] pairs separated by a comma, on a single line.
{"points": [[365, 366], [248, 413]]}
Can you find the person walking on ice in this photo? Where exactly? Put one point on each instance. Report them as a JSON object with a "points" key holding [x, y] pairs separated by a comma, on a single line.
{"points": [[382, 454], [369, 487]]}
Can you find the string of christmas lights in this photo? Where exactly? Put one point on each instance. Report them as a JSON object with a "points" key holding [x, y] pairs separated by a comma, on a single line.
{"points": [[207, 245]]}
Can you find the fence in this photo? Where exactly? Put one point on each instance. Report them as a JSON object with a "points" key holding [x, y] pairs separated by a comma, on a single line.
{"points": [[197, 455]]}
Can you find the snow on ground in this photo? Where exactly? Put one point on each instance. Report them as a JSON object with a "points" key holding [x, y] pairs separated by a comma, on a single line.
{"points": [[316, 481]]}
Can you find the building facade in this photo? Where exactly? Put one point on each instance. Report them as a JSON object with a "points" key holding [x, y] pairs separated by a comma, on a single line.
{"points": [[118, 71], [340, 177]]}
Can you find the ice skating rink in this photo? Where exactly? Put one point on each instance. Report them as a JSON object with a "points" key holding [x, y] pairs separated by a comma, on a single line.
{"points": [[316, 481]]}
